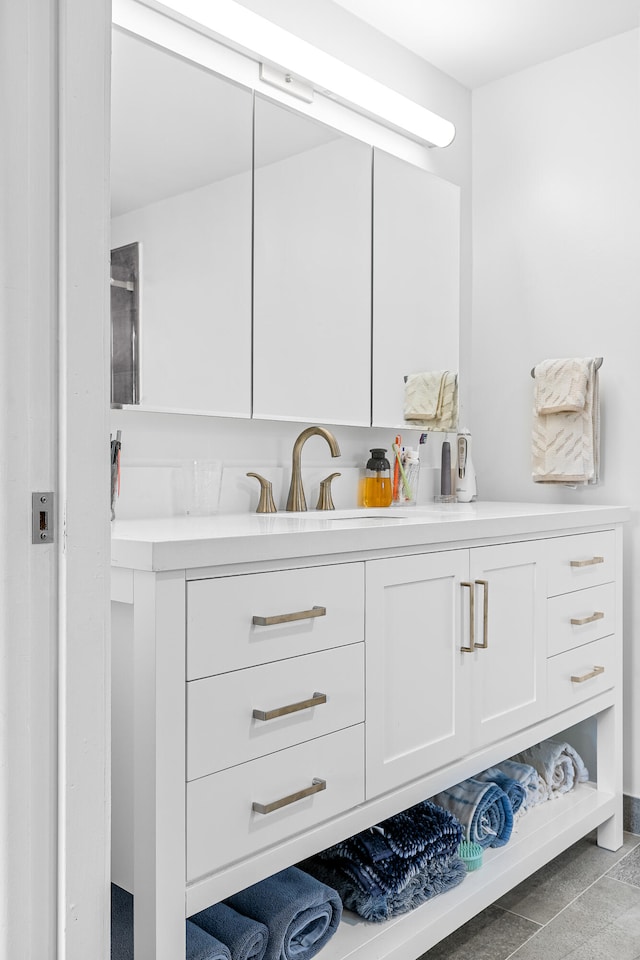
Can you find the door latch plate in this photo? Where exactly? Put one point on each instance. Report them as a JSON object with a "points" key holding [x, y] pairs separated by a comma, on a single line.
{"points": [[42, 517]]}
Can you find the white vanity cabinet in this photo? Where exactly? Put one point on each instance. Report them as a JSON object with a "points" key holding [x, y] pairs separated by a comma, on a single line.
{"points": [[276, 692], [455, 655]]}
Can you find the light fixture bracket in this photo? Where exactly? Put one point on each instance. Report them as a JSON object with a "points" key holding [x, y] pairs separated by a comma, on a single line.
{"points": [[286, 82]]}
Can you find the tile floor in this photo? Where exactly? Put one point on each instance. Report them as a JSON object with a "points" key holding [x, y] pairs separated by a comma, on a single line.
{"points": [[584, 905]]}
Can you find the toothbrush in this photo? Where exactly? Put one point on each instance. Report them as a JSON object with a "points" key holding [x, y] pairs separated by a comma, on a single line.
{"points": [[407, 488], [396, 478]]}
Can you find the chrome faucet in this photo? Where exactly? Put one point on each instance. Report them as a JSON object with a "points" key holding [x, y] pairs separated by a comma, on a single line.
{"points": [[296, 500]]}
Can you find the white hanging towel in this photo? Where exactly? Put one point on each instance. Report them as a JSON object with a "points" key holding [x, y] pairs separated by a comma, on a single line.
{"points": [[431, 400], [566, 422]]}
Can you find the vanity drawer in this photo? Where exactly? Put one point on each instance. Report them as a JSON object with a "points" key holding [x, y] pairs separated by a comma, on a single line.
{"points": [[594, 608], [222, 634], [222, 730], [594, 662], [222, 825], [580, 561]]}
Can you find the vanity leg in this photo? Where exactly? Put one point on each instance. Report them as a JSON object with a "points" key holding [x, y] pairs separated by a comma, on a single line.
{"points": [[610, 736], [159, 766], [610, 773]]}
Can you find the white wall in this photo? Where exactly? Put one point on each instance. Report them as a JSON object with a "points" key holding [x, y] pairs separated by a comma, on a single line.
{"points": [[253, 444], [556, 272]]}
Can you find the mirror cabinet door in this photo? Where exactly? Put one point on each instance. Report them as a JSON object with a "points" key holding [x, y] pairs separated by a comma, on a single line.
{"points": [[181, 190], [312, 270], [416, 280]]}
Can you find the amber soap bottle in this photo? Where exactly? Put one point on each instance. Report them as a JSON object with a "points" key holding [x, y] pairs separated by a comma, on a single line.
{"points": [[377, 483]]}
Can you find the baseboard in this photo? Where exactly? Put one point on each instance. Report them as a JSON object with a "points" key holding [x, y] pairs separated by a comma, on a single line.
{"points": [[631, 814]]}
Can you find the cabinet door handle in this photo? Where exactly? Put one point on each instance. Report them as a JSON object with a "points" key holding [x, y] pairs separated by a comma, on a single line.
{"points": [[586, 563], [485, 615], [472, 615], [316, 786], [579, 621], [288, 617], [313, 701], [588, 676]]}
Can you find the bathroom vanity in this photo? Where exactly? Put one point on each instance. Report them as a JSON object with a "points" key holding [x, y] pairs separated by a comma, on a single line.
{"points": [[281, 682]]}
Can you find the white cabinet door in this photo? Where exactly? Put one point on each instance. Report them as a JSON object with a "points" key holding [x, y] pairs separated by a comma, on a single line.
{"points": [[509, 659], [312, 271], [416, 280], [416, 676]]}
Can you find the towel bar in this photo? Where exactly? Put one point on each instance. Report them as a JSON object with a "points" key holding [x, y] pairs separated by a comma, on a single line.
{"points": [[599, 361]]}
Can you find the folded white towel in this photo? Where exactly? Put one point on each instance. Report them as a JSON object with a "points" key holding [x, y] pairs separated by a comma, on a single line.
{"points": [[431, 400], [566, 443], [423, 395], [561, 385]]}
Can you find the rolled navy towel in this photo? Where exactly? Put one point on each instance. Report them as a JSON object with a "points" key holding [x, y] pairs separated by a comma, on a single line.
{"points": [[483, 809], [300, 912], [246, 938]]}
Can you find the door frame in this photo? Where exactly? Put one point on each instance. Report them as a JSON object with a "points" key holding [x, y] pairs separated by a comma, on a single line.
{"points": [[54, 636]]}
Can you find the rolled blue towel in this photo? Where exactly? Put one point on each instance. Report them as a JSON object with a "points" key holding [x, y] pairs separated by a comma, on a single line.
{"points": [[529, 777], [513, 788], [482, 808], [301, 913], [202, 946], [246, 938], [440, 874], [199, 944]]}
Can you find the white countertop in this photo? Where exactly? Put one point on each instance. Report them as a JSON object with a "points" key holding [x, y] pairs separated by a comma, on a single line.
{"points": [[177, 543]]}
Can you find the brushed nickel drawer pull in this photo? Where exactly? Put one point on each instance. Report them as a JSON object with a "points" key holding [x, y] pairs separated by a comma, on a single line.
{"points": [[288, 617], [579, 621], [313, 701], [485, 616], [586, 563], [316, 786], [472, 615], [588, 676]]}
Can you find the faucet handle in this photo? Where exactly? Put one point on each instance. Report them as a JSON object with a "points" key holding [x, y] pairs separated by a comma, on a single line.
{"points": [[325, 500], [265, 504]]}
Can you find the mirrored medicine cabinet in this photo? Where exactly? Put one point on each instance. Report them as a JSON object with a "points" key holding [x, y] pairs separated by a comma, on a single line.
{"points": [[283, 269]]}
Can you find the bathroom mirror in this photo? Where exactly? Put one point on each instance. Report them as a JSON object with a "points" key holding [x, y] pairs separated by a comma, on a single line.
{"points": [[312, 270], [255, 290], [416, 280], [181, 189]]}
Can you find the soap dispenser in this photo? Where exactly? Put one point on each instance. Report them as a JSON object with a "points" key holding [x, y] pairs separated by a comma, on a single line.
{"points": [[377, 484]]}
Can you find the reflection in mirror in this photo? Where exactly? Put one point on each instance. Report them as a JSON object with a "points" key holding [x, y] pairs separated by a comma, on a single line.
{"points": [[312, 270], [125, 368], [416, 280], [181, 189]]}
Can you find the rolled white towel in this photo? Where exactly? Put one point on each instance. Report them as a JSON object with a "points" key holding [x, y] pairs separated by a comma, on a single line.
{"points": [[558, 763]]}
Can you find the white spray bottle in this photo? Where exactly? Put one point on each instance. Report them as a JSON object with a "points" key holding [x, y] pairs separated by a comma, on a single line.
{"points": [[466, 490]]}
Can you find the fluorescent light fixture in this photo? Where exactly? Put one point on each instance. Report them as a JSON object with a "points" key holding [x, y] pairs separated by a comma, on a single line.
{"points": [[239, 28]]}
